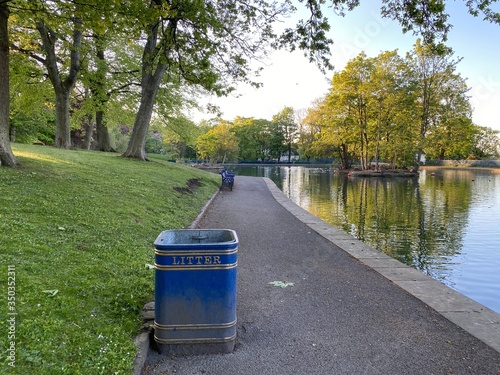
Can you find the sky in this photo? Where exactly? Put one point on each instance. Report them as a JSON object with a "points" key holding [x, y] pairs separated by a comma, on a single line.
{"points": [[290, 80]]}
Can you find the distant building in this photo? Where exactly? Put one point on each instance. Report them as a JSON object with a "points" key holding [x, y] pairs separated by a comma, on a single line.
{"points": [[284, 157]]}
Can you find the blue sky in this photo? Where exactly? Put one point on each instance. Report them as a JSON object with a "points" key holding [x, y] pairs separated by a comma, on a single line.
{"points": [[290, 80]]}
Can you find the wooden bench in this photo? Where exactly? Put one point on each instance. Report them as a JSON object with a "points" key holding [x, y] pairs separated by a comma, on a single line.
{"points": [[227, 179]]}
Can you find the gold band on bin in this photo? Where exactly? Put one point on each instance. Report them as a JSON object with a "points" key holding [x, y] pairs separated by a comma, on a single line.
{"points": [[195, 253], [160, 267], [195, 341], [177, 327]]}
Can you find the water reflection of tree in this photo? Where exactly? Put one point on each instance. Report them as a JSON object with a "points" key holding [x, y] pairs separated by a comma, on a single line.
{"points": [[443, 214], [417, 222]]}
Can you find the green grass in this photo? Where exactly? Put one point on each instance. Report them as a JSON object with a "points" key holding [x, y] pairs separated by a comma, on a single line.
{"points": [[79, 228]]}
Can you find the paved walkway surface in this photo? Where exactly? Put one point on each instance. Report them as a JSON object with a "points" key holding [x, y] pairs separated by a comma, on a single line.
{"points": [[351, 310]]}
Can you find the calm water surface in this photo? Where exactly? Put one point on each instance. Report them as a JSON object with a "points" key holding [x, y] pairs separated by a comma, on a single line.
{"points": [[446, 224]]}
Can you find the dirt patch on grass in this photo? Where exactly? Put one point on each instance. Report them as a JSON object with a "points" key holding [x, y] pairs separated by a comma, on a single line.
{"points": [[192, 184]]}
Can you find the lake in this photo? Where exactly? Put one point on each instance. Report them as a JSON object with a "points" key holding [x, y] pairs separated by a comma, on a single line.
{"points": [[445, 223]]}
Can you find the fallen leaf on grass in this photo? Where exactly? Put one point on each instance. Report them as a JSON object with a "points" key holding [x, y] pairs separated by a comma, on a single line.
{"points": [[51, 293]]}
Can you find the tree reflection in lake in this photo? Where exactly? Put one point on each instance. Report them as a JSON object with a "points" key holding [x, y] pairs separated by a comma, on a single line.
{"points": [[444, 224]]}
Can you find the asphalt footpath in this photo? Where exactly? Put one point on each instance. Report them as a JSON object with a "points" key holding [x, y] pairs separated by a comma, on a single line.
{"points": [[314, 300]]}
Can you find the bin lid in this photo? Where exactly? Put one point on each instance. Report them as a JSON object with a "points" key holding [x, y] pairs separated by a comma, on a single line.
{"points": [[196, 239]]}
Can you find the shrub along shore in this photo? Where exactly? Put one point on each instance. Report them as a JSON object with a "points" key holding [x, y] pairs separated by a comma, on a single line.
{"points": [[76, 232]]}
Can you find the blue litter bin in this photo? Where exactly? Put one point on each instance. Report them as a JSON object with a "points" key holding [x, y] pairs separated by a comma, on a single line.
{"points": [[195, 291]]}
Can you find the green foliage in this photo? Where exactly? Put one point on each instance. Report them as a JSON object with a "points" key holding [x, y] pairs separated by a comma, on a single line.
{"points": [[331, 130], [79, 228], [178, 136], [427, 17], [276, 140], [120, 136], [252, 137], [219, 144], [453, 140], [389, 109], [154, 145], [486, 143], [34, 129], [310, 130], [32, 117], [286, 124]]}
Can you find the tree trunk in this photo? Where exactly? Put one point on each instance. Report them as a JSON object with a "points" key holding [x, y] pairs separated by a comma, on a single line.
{"points": [[62, 88], [103, 139], [7, 158], [99, 95], [89, 131], [150, 85], [182, 150], [137, 143], [362, 151], [63, 133], [152, 75], [344, 157]]}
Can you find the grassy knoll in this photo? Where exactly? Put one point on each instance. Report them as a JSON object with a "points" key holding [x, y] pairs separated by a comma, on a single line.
{"points": [[79, 227]]}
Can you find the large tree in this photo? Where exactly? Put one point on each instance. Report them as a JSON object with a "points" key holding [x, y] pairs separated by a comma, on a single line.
{"points": [[285, 121], [253, 137], [437, 83], [218, 144], [454, 136], [209, 44], [310, 131], [353, 92], [247, 131], [112, 70], [7, 158], [486, 143], [391, 101], [63, 78], [59, 46], [99, 93]]}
